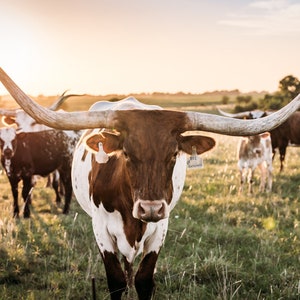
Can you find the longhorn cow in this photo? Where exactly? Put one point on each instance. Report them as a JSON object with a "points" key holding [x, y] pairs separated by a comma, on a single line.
{"points": [[24, 155], [285, 134], [128, 172], [27, 151]]}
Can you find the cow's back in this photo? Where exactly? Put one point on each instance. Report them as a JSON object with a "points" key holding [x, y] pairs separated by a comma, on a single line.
{"points": [[43, 152]]}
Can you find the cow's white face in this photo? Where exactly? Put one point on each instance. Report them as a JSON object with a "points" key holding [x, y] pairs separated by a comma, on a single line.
{"points": [[257, 145], [7, 141], [8, 144]]}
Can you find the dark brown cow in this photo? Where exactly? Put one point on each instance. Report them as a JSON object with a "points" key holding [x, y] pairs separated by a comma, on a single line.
{"points": [[285, 134], [129, 175], [37, 153]]}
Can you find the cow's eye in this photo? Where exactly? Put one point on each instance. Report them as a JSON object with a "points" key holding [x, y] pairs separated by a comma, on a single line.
{"points": [[125, 153], [175, 155]]}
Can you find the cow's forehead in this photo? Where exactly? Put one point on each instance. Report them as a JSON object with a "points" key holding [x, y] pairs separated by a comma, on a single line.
{"points": [[154, 122], [147, 135]]}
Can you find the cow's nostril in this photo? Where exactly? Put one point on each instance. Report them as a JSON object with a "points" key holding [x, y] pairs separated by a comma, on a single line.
{"points": [[141, 210]]}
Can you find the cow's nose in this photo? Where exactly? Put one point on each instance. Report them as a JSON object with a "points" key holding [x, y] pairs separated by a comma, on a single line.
{"points": [[8, 153], [151, 211]]}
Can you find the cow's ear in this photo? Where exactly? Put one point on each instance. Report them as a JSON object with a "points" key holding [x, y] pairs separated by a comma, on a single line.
{"points": [[202, 143], [7, 121], [110, 141]]}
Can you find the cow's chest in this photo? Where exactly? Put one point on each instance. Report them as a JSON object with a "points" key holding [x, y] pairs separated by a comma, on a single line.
{"points": [[113, 234]]}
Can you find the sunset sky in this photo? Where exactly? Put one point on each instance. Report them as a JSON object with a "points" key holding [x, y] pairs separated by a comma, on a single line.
{"points": [[133, 46]]}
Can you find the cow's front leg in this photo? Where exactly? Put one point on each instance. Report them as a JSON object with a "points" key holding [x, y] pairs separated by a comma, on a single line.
{"points": [[242, 172], [107, 244], [116, 279], [14, 189], [144, 282], [250, 180], [26, 194]]}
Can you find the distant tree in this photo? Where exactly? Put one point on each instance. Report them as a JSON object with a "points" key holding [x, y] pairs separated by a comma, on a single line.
{"points": [[243, 99], [272, 102], [289, 86], [225, 99], [251, 106], [288, 89]]}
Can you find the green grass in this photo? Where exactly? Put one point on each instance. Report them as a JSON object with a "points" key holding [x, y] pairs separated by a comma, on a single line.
{"points": [[219, 245]]}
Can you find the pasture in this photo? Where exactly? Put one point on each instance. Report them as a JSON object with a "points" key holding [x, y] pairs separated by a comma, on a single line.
{"points": [[219, 245]]}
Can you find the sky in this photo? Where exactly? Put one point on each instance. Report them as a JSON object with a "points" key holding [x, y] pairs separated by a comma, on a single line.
{"points": [[134, 46]]}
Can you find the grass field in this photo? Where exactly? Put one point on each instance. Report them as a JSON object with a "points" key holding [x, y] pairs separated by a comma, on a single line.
{"points": [[219, 245]]}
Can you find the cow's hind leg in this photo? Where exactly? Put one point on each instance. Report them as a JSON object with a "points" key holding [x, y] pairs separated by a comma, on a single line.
{"points": [[263, 176], [66, 180], [144, 282], [55, 185], [269, 176], [116, 279]]}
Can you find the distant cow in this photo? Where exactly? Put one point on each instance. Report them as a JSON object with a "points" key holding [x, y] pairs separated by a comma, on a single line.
{"points": [[255, 152], [129, 170], [285, 134], [40, 153]]}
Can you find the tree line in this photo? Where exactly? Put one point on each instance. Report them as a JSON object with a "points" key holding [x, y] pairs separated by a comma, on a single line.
{"points": [[288, 89]]}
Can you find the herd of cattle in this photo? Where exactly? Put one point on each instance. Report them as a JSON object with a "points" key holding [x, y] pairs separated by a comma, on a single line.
{"points": [[126, 162]]}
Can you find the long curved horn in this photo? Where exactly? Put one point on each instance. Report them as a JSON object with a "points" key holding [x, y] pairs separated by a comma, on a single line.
{"points": [[230, 126], [98, 119], [63, 97], [58, 120]]}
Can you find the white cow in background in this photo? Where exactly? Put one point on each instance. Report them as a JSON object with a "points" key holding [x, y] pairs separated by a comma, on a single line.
{"points": [[255, 151]]}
